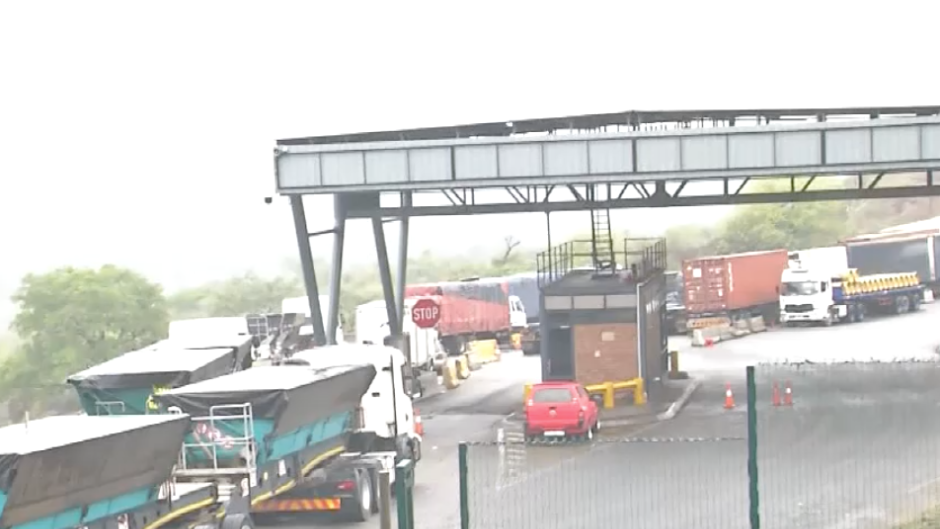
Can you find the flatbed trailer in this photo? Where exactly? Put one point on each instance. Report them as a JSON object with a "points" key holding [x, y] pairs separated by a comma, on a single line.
{"points": [[854, 308]]}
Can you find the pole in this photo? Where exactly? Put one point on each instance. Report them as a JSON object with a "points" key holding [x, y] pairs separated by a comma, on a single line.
{"points": [[385, 500], [464, 487], [306, 264], [753, 488]]}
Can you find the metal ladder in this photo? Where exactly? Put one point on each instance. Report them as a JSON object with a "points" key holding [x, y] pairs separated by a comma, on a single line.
{"points": [[602, 241]]}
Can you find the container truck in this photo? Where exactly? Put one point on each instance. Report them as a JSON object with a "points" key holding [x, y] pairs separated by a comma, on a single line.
{"points": [[526, 287], [425, 350], [725, 288], [897, 252], [471, 310], [815, 297]]}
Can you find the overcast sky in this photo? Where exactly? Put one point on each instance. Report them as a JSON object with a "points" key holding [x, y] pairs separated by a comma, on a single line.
{"points": [[141, 133]]}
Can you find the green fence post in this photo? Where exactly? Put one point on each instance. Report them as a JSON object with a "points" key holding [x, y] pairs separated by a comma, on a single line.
{"points": [[464, 488], [404, 487], [753, 490]]}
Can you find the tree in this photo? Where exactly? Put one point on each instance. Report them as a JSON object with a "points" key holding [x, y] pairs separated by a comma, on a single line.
{"points": [[73, 318], [235, 296]]}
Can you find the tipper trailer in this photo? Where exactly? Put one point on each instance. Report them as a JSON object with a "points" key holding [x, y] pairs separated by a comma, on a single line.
{"points": [[815, 297], [285, 434], [95, 472], [125, 385]]}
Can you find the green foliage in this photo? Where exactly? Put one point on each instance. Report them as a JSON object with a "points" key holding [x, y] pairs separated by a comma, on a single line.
{"points": [[72, 318], [236, 296]]}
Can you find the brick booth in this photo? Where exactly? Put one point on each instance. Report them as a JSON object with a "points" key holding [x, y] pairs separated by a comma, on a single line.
{"points": [[606, 325]]}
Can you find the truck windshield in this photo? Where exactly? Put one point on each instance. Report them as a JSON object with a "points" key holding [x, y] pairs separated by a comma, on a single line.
{"points": [[799, 288]]}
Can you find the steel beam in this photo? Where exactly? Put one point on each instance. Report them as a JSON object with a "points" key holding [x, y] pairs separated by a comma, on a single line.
{"points": [[306, 265], [655, 201], [385, 275], [402, 272], [336, 268]]}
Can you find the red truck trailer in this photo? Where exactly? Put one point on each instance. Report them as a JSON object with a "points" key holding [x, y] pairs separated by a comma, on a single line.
{"points": [[724, 288], [470, 310]]}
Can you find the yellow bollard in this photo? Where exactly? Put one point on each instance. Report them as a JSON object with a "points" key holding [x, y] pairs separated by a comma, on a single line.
{"points": [[608, 395], [674, 362], [639, 393], [516, 341], [526, 392], [463, 367], [451, 381]]}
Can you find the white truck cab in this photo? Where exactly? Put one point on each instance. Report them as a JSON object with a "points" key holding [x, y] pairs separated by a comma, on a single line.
{"points": [[386, 407], [517, 317], [805, 296]]}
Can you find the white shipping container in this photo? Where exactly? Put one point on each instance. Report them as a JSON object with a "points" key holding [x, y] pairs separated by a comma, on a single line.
{"points": [[372, 326]]}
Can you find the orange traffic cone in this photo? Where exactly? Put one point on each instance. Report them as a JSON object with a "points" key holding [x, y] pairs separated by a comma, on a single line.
{"points": [[729, 397], [419, 426], [776, 396], [787, 394]]}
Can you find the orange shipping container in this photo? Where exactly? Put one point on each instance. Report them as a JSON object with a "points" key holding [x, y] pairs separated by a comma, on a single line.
{"points": [[729, 283]]}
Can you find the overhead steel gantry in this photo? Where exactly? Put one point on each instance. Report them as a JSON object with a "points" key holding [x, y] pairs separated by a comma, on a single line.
{"points": [[605, 161]]}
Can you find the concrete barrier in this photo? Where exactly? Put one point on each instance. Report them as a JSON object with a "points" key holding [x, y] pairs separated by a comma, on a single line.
{"points": [[757, 324], [451, 380], [485, 351], [708, 336], [463, 367], [741, 328]]}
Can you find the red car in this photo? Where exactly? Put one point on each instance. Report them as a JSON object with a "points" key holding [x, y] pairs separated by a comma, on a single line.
{"points": [[560, 410]]}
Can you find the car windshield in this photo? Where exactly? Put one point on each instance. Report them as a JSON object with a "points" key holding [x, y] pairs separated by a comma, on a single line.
{"points": [[799, 288], [551, 395]]}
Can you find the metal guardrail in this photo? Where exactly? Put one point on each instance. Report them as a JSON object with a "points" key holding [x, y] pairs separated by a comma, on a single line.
{"points": [[607, 390], [643, 258]]}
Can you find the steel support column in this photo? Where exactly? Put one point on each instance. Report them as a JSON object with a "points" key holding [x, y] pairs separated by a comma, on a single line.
{"points": [[402, 272], [385, 276], [306, 265], [336, 267]]}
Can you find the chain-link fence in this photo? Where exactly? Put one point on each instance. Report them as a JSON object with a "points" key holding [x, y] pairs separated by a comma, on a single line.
{"points": [[853, 445], [661, 483], [847, 445]]}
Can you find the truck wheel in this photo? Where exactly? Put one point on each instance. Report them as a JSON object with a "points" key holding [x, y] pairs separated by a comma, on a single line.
{"points": [[914, 303], [237, 521], [901, 305], [359, 507]]}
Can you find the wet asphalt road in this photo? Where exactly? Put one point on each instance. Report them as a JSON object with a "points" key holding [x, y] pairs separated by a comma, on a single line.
{"points": [[859, 447]]}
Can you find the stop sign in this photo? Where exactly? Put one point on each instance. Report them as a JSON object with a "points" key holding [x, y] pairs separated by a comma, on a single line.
{"points": [[426, 313]]}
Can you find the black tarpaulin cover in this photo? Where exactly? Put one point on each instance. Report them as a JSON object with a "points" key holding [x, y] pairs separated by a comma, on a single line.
{"points": [[57, 463], [164, 364], [291, 396]]}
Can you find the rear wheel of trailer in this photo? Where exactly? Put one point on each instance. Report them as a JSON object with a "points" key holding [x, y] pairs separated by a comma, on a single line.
{"points": [[361, 505]]}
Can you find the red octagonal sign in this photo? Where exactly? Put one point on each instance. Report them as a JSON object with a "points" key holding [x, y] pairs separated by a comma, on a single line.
{"points": [[426, 313]]}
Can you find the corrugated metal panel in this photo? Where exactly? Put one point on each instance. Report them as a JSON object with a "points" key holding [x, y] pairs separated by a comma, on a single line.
{"points": [[750, 150], [705, 152], [848, 146], [895, 144], [708, 153], [429, 165], [343, 168], [384, 167], [658, 154], [474, 162], [520, 160], [797, 148], [610, 156], [564, 158]]}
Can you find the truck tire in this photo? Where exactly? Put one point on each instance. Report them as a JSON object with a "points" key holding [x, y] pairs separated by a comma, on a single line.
{"points": [[901, 304], [237, 521], [359, 508], [915, 303]]}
